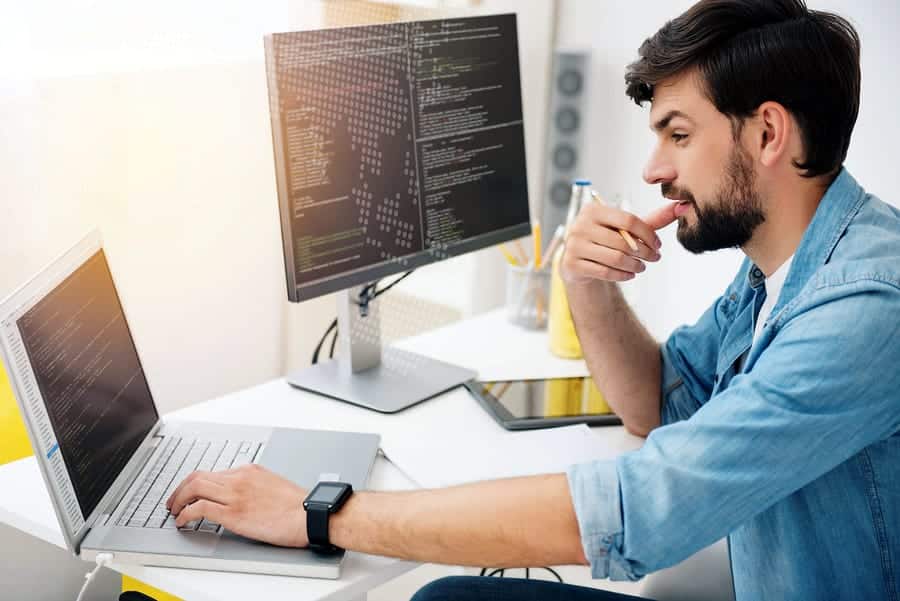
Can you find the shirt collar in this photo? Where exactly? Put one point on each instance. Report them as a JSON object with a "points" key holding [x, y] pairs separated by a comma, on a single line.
{"points": [[840, 203]]}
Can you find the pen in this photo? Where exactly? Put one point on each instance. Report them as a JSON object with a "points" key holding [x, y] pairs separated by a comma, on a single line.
{"points": [[521, 251], [503, 388], [631, 243], [509, 257], [536, 235], [554, 244]]}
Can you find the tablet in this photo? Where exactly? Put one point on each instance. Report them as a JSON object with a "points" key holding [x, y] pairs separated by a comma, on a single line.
{"points": [[527, 404]]}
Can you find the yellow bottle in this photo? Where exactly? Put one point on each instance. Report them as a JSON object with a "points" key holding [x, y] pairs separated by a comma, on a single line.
{"points": [[562, 396], [596, 403], [561, 329]]}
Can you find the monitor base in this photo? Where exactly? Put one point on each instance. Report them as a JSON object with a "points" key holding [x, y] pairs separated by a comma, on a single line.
{"points": [[401, 380]]}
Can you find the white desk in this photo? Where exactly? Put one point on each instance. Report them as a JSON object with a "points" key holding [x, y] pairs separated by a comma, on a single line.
{"points": [[484, 340]]}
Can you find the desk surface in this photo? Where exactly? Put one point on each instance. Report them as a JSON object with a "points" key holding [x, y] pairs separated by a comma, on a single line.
{"points": [[276, 403], [495, 348]]}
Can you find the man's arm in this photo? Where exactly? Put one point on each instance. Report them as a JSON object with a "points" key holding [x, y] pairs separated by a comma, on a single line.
{"points": [[622, 356], [504, 523], [822, 391], [517, 522]]}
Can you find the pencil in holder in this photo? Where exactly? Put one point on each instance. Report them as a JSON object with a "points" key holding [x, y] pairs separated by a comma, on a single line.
{"points": [[527, 295]]}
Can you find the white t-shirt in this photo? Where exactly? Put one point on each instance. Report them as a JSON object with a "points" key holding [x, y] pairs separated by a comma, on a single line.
{"points": [[773, 284]]}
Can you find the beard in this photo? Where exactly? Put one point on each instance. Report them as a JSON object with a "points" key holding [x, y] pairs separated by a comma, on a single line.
{"points": [[730, 220]]}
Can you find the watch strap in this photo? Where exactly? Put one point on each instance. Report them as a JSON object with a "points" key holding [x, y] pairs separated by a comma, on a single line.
{"points": [[317, 527]]}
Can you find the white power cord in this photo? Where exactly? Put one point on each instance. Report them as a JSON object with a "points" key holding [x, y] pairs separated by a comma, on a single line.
{"points": [[103, 559]]}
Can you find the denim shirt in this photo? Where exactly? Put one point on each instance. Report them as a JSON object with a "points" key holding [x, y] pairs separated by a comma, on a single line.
{"points": [[789, 446]]}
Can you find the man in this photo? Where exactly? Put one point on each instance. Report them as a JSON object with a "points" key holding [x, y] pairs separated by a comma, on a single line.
{"points": [[775, 420]]}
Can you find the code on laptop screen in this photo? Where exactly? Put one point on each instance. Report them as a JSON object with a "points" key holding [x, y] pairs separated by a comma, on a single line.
{"points": [[90, 377]]}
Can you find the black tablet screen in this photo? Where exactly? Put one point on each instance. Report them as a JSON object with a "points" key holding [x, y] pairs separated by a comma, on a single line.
{"points": [[560, 397]]}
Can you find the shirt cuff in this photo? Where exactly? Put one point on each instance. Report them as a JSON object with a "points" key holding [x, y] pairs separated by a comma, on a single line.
{"points": [[597, 499]]}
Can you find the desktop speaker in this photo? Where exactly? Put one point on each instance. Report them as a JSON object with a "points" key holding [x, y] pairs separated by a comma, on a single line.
{"points": [[564, 161]]}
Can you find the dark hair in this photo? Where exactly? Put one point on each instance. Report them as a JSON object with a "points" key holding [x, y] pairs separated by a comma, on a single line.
{"points": [[751, 51]]}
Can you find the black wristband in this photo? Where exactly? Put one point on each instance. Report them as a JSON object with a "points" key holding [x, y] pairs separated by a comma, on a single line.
{"points": [[317, 528], [325, 499]]}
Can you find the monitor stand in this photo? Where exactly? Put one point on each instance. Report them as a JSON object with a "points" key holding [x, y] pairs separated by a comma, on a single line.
{"points": [[386, 381]]}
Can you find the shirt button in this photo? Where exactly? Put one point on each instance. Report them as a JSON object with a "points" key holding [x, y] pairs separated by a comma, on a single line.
{"points": [[757, 273]]}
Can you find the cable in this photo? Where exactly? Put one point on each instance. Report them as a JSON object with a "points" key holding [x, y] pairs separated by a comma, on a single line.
{"points": [[368, 293], [392, 284], [315, 357], [102, 559], [500, 572], [333, 340], [554, 572]]}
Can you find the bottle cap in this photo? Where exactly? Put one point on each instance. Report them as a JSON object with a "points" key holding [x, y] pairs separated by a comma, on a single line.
{"points": [[582, 182]]}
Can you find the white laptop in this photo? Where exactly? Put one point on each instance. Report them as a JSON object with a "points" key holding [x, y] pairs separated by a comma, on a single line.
{"points": [[108, 459]]}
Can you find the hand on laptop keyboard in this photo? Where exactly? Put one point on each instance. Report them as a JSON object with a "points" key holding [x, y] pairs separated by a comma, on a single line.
{"points": [[250, 501]]}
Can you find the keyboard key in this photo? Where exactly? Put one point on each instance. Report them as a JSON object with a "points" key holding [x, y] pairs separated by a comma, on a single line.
{"points": [[156, 521], [138, 521], [206, 526], [246, 456], [240, 460], [190, 526], [226, 457]]}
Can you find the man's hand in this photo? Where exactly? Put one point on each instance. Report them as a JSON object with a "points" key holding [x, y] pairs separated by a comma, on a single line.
{"points": [[250, 501], [595, 250]]}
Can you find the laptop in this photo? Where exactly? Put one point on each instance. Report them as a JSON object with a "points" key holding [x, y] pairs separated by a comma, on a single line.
{"points": [[110, 462]]}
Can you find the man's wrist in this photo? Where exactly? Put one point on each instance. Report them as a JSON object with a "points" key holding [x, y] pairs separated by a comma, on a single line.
{"points": [[322, 503], [588, 287], [339, 526], [301, 538]]}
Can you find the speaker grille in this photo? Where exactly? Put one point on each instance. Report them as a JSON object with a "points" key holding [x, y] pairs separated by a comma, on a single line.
{"points": [[563, 162]]}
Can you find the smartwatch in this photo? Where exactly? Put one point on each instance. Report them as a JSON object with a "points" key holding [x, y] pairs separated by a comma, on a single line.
{"points": [[323, 500]]}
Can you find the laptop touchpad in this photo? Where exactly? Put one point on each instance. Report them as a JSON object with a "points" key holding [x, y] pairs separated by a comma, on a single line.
{"points": [[302, 456]]}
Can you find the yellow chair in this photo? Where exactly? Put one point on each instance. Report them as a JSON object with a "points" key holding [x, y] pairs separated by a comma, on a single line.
{"points": [[12, 429], [130, 584], [16, 446]]}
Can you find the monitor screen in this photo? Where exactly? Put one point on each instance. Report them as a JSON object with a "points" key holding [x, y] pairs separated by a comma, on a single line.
{"points": [[395, 146], [90, 378]]}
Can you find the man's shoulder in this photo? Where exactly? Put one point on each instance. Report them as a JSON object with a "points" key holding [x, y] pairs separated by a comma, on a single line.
{"points": [[868, 249], [858, 284]]}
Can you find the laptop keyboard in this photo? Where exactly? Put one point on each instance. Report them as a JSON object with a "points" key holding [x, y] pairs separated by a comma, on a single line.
{"points": [[180, 457]]}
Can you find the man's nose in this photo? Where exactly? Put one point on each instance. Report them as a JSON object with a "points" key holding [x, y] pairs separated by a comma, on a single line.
{"points": [[658, 170]]}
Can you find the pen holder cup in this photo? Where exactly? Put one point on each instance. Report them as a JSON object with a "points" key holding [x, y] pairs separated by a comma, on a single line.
{"points": [[527, 296]]}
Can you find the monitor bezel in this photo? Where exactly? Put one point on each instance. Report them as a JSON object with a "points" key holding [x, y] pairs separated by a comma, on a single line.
{"points": [[363, 275]]}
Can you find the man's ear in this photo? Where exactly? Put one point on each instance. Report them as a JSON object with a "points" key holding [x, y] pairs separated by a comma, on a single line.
{"points": [[774, 133]]}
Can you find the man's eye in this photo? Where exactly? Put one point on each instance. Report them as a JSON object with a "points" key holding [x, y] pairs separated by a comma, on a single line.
{"points": [[678, 137]]}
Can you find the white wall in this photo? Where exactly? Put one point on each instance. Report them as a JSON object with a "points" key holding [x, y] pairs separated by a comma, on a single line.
{"points": [[152, 124], [681, 286]]}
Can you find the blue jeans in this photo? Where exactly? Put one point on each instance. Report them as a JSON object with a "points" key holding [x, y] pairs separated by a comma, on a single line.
{"points": [[483, 588]]}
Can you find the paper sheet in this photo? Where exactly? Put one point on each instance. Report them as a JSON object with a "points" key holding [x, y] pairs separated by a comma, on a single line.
{"points": [[452, 456]]}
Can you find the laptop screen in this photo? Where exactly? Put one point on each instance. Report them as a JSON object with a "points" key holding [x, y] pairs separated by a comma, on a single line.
{"points": [[90, 377]]}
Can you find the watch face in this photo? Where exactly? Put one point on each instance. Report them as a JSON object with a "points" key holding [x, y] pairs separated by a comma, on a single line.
{"points": [[326, 493]]}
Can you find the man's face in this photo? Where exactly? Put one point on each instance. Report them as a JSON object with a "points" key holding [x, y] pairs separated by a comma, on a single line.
{"points": [[698, 161]]}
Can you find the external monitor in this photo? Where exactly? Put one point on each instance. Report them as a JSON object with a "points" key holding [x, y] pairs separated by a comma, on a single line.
{"points": [[396, 146]]}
